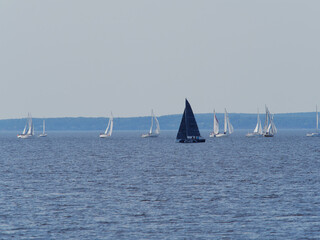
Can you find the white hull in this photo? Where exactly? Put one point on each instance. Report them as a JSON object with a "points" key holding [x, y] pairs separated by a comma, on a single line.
{"points": [[102, 135], [24, 136], [43, 135], [254, 135], [149, 135], [219, 135], [313, 135]]}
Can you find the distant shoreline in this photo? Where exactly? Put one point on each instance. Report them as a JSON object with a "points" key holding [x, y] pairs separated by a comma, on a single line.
{"points": [[243, 121]]}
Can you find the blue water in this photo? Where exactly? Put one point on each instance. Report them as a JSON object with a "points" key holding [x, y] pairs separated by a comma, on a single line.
{"points": [[77, 186]]}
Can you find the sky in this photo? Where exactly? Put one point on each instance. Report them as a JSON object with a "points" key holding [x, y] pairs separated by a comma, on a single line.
{"points": [[87, 58]]}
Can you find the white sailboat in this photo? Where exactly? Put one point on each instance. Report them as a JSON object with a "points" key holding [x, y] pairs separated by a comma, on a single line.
{"points": [[215, 131], [29, 126], [108, 132], [228, 128], [153, 132], [315, 134], [43, 134], [258, 129], [269, 129]]}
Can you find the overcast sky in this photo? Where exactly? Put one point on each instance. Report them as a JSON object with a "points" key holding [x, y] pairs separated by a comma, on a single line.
{"points": [[87, 58]]}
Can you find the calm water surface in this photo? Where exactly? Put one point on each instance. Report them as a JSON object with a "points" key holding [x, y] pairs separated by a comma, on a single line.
{"points": [[77, 186]]}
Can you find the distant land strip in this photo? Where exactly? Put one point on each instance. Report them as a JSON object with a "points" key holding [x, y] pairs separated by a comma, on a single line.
{"points": [[167, 122]]}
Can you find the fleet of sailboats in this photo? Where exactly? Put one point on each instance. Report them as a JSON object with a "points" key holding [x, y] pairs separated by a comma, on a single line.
{"points": [[108, 132], [257, 130], [315, 134], [228, 128], [188, 130], [154, 128]]}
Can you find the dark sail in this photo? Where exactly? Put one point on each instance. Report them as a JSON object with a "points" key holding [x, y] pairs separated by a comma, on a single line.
{"points": [[191, 124], [182, 133], [188, 130]]}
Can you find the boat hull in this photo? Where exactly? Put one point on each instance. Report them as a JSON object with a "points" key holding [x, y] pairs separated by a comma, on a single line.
{"points": [[268, 135], [254, 135], [218, 135], [149, 135], [200, 140], [23, 136], [313, 135], [102, 135], [43, 135]]}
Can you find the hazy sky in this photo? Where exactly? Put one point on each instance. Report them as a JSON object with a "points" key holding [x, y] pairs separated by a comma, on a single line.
{"points": [[86, 58]]}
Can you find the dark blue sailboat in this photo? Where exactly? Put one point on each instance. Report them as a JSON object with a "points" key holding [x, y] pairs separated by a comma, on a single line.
{"points": [[188, 130]]}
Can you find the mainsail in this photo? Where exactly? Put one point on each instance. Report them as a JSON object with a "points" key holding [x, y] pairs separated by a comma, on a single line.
{"points": [[215, 123], [188, 130]]}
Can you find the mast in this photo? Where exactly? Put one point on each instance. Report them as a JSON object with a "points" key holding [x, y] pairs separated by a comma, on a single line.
{"points": [[43, 127]]}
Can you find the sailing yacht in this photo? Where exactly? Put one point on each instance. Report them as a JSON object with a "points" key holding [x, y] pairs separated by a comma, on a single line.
{"points": [[258, 129], [269, 129], [43, 134], [108, 132], [215, 131], [188, 130], [29, 125], [315, 134], [228, 128], [153, 133]]}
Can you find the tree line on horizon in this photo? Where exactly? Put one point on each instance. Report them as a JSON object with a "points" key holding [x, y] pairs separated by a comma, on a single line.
{"points": [[168, 122]]}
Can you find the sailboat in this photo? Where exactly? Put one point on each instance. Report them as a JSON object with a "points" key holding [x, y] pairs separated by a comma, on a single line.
{"points": [[43, 134], [108, 131], [258, 129], [315, 134], [215, 131], [153, 133], [269, 129], [29, 125], [188, 130], [228, 128]]}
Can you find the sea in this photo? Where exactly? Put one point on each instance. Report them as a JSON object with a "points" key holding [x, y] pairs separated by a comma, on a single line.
{"points": [[74, 185]]}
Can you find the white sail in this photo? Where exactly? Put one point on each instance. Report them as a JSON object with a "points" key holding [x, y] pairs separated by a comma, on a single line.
{"points": [[157, 131], [111, 125], [152, 116], [225, 122], [271, 129], [256, 129], [30, 126], [25, 129], [230, 127], [260, 128], [215, 123], [109, 129], [266, 123]]}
